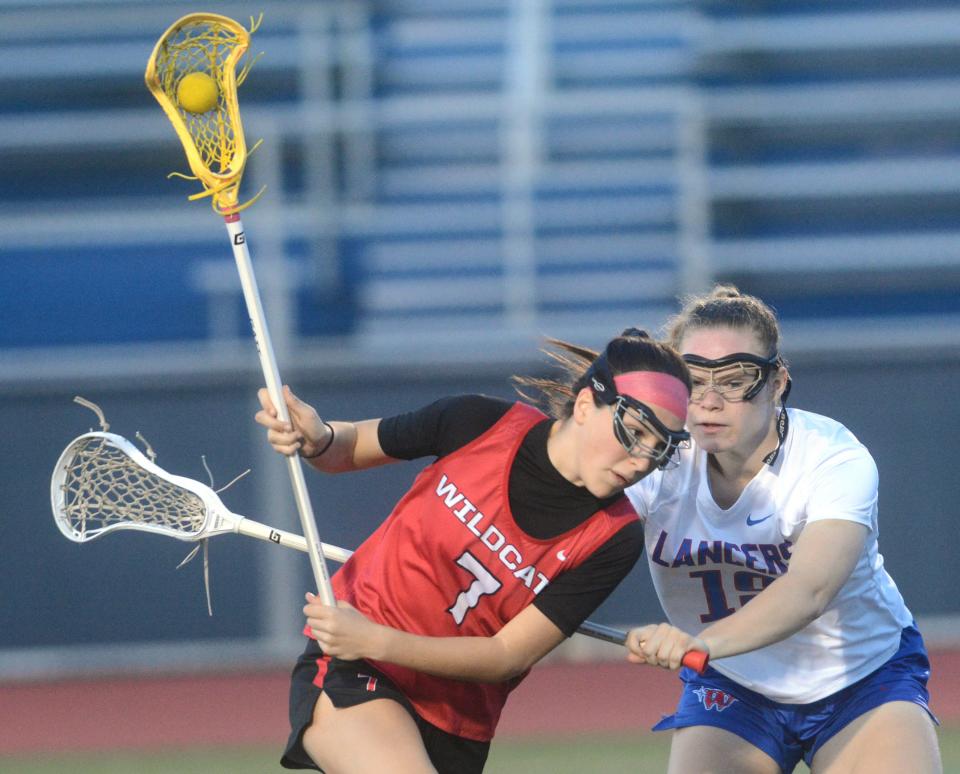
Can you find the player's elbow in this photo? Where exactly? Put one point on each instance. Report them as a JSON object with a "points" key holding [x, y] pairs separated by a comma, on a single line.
{"points": [[813, 600], [513, 670], [505, 675], [503, 670], [822, 599], [491, 673], [507, 664]]}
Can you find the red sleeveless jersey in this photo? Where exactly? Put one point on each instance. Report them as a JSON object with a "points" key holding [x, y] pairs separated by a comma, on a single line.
{"points": [[450, 561]]}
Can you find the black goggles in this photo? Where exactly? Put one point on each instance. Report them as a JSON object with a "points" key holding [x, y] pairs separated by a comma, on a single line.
{"points": [[750, 387], [736, 377], [664, 454]]}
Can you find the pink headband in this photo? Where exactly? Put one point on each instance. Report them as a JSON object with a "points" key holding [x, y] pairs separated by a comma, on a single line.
{"points": [[655, 387]]}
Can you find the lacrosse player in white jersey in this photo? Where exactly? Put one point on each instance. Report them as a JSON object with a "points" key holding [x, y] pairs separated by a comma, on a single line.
{"points": [[825, 663]]}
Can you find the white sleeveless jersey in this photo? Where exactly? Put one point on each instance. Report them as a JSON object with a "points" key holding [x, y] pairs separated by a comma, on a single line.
{"points": [[707, 562]]}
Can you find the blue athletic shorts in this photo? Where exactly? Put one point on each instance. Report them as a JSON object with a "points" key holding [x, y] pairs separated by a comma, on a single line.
{"points": [[789, 732]]}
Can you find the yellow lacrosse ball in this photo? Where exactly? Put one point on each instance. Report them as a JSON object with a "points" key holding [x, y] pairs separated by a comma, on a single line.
{"points": [[197, 92]]}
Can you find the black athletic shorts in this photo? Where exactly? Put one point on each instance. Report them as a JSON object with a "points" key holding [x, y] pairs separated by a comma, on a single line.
{"points": [[349, 683]]}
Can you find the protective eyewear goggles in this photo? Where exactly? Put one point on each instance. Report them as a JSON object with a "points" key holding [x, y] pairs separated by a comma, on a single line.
{"points": [[664, 452], [737, 377]]}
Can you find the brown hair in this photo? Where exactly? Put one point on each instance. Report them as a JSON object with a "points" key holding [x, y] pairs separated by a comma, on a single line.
{"points": [[633, 350], [726, 306]]}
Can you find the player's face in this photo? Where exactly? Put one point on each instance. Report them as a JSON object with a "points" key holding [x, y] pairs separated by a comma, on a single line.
{"points": [[720, 425], [606, 466]]}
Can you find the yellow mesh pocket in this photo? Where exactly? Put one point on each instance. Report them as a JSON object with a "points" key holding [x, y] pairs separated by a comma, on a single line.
{"points": [[213, 140]]}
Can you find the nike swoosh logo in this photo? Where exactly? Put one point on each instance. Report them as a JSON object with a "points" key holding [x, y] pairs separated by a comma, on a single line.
{"points": [[751, 522], [561, 555]]}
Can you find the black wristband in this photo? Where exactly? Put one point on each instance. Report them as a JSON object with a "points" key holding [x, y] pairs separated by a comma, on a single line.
{"points": [[325, 446]]}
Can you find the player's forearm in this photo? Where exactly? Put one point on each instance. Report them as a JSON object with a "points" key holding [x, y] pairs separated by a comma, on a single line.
{"points": [[355, 446], [338, 456], [782, 609], [823, 559], [474, 659]]}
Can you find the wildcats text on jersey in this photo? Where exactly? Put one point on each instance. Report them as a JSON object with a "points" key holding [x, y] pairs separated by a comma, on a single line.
{"points": [[492, 538]]}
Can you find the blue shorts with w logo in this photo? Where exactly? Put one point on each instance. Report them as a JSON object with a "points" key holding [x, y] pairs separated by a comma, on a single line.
{"points": [[789, 732]]}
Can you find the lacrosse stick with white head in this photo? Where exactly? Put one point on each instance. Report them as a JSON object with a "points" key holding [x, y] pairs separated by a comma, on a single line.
{"points": [[204, 111], [102, 483]]}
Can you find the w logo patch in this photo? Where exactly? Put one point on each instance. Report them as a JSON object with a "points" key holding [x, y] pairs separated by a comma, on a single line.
{"points": [[714, 699]]}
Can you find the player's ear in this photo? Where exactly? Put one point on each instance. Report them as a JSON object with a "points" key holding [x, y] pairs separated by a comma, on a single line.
{"points": [[779, 378], [582, 405]]}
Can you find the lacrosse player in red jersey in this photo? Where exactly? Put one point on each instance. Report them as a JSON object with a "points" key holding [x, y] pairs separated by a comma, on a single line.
{"points": [[823, 662], [499, 550]]}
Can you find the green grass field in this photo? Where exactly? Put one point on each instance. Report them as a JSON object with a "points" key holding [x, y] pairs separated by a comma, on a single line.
{"points": [[645, 754]]}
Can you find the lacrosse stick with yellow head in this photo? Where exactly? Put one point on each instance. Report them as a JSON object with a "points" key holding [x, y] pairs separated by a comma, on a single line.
{"points": [[192, 72]]}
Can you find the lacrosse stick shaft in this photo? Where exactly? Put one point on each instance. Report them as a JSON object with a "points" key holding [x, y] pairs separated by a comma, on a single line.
{"points": [[601, 632], [260, 531], [271, 373], [695, 659]]}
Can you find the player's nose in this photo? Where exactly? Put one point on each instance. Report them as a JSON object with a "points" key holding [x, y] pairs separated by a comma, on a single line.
{"points": [[640, 467], [712, 399]]}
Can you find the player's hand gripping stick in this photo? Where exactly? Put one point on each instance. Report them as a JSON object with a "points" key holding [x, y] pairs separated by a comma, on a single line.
{"points": [[696, 660]]}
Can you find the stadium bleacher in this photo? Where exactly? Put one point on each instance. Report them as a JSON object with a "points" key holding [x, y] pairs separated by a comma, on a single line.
{"points": [[497, 168], [834, 156]]}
